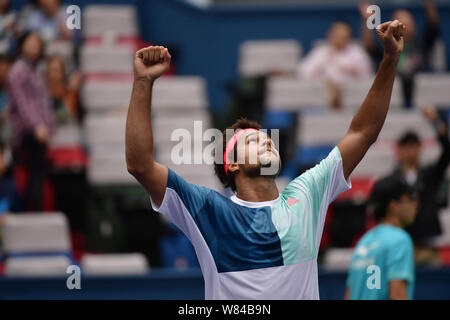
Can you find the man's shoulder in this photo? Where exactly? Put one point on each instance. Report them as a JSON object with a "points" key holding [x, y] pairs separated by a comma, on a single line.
{"points": [[180, 185], [397, 237]]}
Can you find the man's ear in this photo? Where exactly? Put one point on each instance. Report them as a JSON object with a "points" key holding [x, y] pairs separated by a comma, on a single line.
{"points": [[233, 167], [392, 206]]}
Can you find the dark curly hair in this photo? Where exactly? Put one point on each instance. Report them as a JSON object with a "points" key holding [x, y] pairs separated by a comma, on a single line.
{"points": [[228, 179]]}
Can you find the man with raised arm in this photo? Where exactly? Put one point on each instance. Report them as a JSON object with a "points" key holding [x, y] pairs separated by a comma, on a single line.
{"points": [[258, 244]]}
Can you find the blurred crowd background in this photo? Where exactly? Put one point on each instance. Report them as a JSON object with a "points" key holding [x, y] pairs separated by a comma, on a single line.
{"points": [[298, 66]]}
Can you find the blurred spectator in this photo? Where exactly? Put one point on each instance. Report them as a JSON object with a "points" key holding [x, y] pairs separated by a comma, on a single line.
{"points": [[418, 47], [9, 195], [31, 117], [336, 61], [4, 70], [67, 154], [426, 180], [7, 21], [48, 19], [63, 91]]}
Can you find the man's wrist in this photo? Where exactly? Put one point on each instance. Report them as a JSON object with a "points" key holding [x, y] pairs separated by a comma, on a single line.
{"points": [[391, 57], [144, 80]]}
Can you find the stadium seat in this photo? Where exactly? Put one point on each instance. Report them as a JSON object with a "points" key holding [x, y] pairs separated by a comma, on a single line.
{"points": [[36, 244], [323, 131], [432, 88], [293, 94], [259, 57], [312, 127], [338, 259], [177, 103], [101, 19], [43, 266], [36, 233], [355, 91], [105, 135], [164, 129], [105, 128], [183, 93], [114, 264], [67, 135], [106, 59], [109, 169], [100, 95]]}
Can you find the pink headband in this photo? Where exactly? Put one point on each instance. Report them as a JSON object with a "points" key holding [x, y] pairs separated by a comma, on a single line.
{"points": [[230, 145]]}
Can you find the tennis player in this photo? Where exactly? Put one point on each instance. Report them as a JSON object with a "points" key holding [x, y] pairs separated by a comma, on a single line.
{"points": [[258, 244]]}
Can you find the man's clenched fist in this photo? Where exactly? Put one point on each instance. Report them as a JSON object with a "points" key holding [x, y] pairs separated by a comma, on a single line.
{"points": [[151, 62], [391, 35]]}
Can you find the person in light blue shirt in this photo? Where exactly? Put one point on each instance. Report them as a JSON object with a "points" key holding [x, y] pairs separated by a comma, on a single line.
{"points": [[382, 265]]}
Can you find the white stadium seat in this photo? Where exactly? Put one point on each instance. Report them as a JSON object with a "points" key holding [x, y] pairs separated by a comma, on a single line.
{"points": [[36, 233], [45, 266], [109, 59], [67, 135], [355, 91], [164, 127], [337, 259], [114, 264], [328, 129], [322, 129], [177, 102], [106, 94], [380, 160], [179, 92], [170, 94], [101, 19], [259, 57], [109, 169], [293, 94], [105, 128], [432, 88]]}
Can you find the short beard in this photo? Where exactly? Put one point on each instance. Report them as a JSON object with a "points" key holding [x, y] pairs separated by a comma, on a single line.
{"points": [[254, 171]]}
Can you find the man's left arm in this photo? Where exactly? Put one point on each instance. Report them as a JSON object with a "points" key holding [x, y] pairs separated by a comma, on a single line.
{"points": [[368, 121]]}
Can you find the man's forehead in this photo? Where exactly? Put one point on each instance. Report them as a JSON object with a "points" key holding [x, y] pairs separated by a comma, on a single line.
{"points": [[259, 133], [241, 141]]}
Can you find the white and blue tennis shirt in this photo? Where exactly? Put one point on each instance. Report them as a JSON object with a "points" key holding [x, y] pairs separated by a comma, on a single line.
{"points": [[257, 250]]}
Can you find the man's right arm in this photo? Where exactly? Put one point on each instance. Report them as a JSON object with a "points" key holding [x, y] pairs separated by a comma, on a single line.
{"points": [[149, 64], [398, 290]]}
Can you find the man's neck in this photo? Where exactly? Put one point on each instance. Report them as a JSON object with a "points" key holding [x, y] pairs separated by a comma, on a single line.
{"points": [[393, 221], [256, 189]]}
